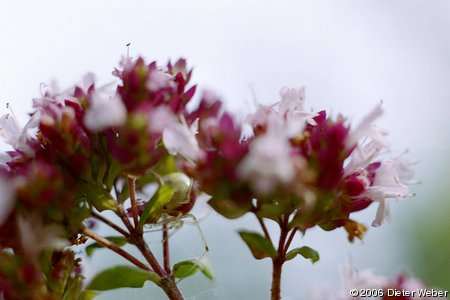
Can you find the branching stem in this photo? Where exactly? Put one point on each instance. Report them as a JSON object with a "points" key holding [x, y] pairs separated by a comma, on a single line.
{"points": [[110, 224], [115, 248], [264, 228], [289, 240], [278, 261]]}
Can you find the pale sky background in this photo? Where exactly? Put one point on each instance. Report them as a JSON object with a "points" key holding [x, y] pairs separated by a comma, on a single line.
{"points": [[348, 54]]}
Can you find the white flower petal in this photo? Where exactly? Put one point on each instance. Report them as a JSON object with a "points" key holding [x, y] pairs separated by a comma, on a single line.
{"points": [[180, 139], [383, 214], [10, 129], [261, 116], [161, 118], [87, 81], [385, 186], [404, 166], [13, 134], [292, 100], [366, 129], [159, 79], [106, 110], [363, 155]]}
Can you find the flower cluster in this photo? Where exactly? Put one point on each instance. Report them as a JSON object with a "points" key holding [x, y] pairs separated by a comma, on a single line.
{"points": [[313, 167], [66, 161], [73, 158]]}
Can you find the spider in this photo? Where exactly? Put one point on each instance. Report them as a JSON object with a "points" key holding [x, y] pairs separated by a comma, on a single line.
{"points": [[176, 210]]}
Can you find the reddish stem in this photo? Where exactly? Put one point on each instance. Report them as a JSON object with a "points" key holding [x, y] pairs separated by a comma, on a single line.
{"points": [[110, 224], [123, 216], [277, 265], [264, 228], [278, 261], [113, 247], [289, 240], [166, 254], [134, 209], [167, 283]]}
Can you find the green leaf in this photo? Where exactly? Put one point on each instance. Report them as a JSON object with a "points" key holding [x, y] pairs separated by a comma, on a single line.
{"points": [[117, 240], [205, 267], [153, 208], [259, 245], [121, 277], [230, 209], [88, 295], [189, 267], [185, 268], [304, 251]]}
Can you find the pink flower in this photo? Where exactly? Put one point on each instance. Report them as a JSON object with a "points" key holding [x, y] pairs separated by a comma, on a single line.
{"points": [[20, 138], [289, 112], [291, 107], [269, 161], [365, 279], [53, 93], [367, 129], [374, 180], [386, 185], [259, 120]]}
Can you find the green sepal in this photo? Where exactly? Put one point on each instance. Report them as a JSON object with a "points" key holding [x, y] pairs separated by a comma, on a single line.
{"points": [[97, 196], [117, 240], [76, 216], [258, 245], [304, 251], [230, 209], [99, 167], [184, 269], [124, 194], [166, 165], [121, 277], [73, 288], [273, 210], [114, 171], [153, 208]]}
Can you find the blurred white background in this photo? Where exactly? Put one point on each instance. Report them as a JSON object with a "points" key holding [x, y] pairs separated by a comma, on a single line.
{"points": [[348, 54]]}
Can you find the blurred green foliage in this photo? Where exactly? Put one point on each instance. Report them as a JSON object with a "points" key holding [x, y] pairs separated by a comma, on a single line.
{"points": [[430, 239]]}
